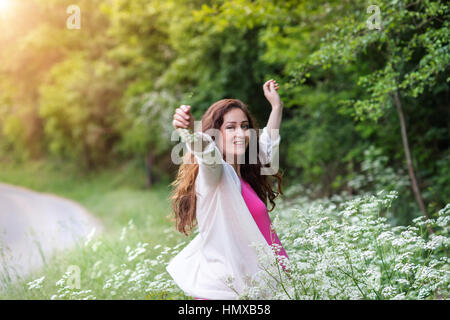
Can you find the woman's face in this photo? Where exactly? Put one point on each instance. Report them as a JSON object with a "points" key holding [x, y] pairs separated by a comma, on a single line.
{"points": [[235, 135]]}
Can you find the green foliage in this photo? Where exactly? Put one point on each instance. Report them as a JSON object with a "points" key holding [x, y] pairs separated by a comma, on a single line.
{"points": [[77, 123], [413, 44], [407, 56]]}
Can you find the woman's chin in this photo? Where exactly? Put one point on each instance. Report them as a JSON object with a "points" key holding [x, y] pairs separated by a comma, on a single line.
{"points": [[239, 151]]}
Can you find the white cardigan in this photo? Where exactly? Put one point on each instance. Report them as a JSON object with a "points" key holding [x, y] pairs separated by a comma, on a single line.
{"points": [[226, 228]]}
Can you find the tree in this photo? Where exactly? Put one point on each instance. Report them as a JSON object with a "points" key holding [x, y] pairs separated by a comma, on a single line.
{"points": [[412, 41]]}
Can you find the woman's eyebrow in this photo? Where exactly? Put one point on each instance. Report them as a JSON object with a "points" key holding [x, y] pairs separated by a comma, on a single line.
{"points": [[235, 121]]}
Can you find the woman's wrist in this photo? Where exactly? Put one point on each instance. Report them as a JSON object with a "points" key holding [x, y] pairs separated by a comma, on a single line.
{"points": [[278, 105]]}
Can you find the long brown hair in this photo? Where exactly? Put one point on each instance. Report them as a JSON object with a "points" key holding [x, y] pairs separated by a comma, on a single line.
{"points": [[183, 196]]}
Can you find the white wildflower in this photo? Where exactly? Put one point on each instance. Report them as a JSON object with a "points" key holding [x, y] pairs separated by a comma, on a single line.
{"points": [[436, 242], [400, 296], [36, 284], [123, 234], [89, 237]]}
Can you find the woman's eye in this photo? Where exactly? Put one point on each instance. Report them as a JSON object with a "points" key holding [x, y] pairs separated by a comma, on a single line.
{"points": [[244, 126]]}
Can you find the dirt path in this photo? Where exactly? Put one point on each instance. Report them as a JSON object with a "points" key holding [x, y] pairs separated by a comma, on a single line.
{"points": [[33, 225]]}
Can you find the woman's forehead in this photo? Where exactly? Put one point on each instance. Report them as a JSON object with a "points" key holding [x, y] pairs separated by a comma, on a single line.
{"points": [[235, 115]]}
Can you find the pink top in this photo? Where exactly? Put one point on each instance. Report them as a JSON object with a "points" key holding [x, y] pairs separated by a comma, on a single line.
{"points": [[261, 216]]}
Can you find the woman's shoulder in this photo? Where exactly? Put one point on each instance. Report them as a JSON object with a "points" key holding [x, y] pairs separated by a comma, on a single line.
{"points": [[227, 183]]}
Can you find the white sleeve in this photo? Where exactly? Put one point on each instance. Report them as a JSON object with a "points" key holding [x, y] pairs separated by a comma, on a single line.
{"points": [[210, 166], [268, 149]]}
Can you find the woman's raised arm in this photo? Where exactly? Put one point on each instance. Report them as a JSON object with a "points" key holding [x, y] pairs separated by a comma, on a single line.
{"points": [[273, 124], [269, 140]]}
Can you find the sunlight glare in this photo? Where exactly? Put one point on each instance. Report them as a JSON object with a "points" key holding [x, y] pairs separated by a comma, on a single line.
{"points": [[4, 4]]}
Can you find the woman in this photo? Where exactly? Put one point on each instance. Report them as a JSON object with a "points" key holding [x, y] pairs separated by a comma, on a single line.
{"points": [[225, 193]]}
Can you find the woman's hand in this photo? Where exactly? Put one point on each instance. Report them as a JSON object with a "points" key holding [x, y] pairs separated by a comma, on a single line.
{"points": [[183, 118], [271, 94]]}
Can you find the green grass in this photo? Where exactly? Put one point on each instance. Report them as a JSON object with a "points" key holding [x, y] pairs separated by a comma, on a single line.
{"points": [[116, 196]]}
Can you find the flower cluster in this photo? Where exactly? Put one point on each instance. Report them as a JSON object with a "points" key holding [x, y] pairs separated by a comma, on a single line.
{"points": [[343, 248], [35, 284], [136, 277], [67, 290]]}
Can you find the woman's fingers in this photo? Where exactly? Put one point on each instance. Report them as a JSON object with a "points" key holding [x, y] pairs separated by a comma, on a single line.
{"points": [[182, 114], [270, 84], [178, 124], [182, 117], [184, 109]]}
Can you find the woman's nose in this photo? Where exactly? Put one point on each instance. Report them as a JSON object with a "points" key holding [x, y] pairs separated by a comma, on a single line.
{"points": [[240, 133]]}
